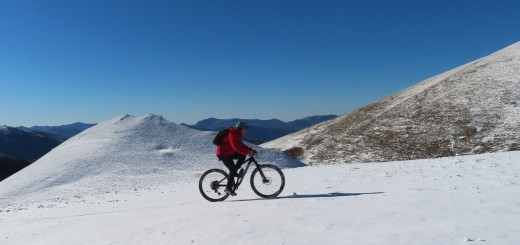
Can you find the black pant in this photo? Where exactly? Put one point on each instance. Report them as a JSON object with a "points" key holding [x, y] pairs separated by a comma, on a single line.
{"points": [[228, 161]]}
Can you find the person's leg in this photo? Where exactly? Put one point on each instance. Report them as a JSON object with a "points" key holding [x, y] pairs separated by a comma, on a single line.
{"points": [[228, 161], [240, 160]]}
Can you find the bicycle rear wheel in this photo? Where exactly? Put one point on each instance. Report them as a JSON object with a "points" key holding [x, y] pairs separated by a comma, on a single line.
{"points": [[212, 184], [267, 181]]}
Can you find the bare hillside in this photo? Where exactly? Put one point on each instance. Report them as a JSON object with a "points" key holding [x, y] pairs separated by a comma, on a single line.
{"points": [[471, 109]]}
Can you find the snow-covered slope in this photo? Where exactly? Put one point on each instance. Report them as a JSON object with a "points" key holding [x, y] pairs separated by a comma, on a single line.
{"points": [[474, 108], [124, 153], [456, 200]]}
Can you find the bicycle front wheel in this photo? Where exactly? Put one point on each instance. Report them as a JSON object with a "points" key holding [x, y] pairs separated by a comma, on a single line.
{"points": [[212, 184], [267, 181]]}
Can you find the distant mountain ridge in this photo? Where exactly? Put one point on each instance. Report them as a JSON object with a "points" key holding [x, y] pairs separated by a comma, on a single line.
{"points": [[24, 144], [20, 146], [68, 130], [262, 130]]}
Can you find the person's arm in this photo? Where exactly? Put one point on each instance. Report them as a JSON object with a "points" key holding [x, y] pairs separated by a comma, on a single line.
{"points": [[237, 145], [249, 149]]}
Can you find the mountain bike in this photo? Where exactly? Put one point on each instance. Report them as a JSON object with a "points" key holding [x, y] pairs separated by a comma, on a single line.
{"points": [[266, 180]]}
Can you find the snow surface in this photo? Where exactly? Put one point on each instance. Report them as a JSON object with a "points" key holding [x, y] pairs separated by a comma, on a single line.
{"points": [[121, 154], [452, 200]]}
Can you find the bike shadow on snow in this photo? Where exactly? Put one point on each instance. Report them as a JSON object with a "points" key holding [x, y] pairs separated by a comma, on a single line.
{"points": [[298, 196]]}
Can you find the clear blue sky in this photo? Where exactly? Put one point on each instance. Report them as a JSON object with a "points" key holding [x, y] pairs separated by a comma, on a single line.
{"points": [[67, 61]]}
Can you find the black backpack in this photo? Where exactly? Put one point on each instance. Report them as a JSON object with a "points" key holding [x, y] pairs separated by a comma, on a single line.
{"points": [[220, 136]]}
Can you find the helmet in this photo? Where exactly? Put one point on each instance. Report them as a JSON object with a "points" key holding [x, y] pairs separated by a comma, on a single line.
{"points": [[242, 125]]}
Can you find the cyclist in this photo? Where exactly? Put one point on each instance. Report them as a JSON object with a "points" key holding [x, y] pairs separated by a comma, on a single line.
{"points": [[233, 148]]}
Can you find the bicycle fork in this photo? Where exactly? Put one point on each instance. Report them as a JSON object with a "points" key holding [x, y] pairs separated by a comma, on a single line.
{"points": [[264, 179]]}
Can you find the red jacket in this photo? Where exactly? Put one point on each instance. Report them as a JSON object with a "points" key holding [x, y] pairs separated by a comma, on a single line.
{"points": [[232, 143]]}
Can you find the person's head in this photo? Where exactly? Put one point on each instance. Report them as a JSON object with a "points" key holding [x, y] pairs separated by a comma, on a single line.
{"points": [[242, 127]]}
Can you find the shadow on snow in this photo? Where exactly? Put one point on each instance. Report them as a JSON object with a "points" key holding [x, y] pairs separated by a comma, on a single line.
{"points": [[296, 196]]}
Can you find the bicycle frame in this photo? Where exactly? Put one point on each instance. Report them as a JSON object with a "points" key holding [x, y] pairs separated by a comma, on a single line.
{"points": [[241, 178]]}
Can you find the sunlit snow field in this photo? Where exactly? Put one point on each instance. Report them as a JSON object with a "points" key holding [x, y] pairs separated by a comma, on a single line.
{"points": [[442, 201]]}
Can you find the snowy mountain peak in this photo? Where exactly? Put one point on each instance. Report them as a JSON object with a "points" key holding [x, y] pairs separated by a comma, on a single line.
{"points": [[158, 119], [121, 154], [4, 129], [474, 108], [152, 116]]}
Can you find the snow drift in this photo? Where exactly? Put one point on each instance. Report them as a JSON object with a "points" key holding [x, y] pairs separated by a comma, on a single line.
{"points": [[124, 153]]}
